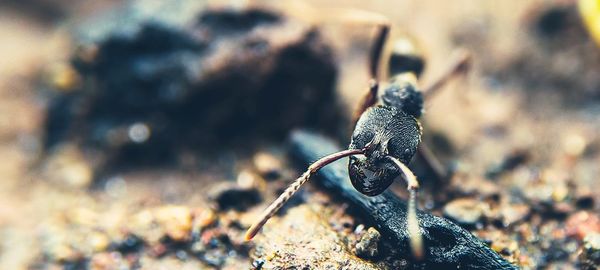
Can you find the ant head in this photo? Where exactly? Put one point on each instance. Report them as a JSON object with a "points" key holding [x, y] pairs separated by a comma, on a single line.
{"points": [[405, 57], [382, 131], [371, 176]]}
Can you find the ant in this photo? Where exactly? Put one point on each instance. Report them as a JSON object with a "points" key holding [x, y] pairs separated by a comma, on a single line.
{"points": [[387, 134]]}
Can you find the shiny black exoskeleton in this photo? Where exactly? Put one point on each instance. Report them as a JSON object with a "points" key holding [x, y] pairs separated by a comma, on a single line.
{"points": [[388, 129]]}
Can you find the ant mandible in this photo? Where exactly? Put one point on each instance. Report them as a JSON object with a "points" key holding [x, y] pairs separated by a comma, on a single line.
{"points": [[386, 134]]}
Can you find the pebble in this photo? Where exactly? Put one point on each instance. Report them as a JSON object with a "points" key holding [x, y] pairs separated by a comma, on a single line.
{"points": [[107, 261], [68, 167], [258, 264], [176, 221], [465, 211], [574, 144], [232, 196], [367, 246], [590, 257], [267, 165], [514, 213], [64, 77], [582, 223]]}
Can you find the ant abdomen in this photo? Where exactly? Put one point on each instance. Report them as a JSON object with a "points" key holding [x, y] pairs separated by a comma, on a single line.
{"points": [[384, 131], [405, 57]]}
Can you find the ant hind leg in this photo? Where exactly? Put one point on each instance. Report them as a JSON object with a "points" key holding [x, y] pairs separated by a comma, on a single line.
{"points": [[460, 63]]}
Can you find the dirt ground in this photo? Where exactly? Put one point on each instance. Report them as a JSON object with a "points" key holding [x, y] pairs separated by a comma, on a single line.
{"points": [[520, 132]]}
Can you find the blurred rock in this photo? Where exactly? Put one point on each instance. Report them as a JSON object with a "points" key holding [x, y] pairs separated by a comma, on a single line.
{"points": [[582, 223], [267, 165], [176, 220], [67, 166], [232, 196], [514, 213], [367, 246], [159, 78], [590, 257], [465, 211]]}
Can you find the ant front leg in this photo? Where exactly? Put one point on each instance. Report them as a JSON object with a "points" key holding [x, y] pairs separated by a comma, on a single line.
{"points": [[414, 231], [370, 97]]}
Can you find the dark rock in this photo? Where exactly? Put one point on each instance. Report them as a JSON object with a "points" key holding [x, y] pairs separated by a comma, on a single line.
{"points": [[162, 79], [509, 163], [448, 246], [231, 196]]}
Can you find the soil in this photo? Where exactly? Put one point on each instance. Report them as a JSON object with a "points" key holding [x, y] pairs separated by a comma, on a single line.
{"points": [[520, 133]]}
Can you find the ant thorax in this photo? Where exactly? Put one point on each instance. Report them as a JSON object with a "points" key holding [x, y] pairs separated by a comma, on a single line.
{"points": [[402, 93]]}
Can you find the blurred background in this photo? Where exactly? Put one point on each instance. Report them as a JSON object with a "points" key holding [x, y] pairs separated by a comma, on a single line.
{"points": [[150, 134]]}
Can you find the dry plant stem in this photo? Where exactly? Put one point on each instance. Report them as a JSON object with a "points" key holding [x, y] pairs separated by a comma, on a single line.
{"points": [[291, 190], [460, 63], [416, 240]]}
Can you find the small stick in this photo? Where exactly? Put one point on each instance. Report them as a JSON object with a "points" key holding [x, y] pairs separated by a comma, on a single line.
{"points": [[291, 190], [416, 239]]}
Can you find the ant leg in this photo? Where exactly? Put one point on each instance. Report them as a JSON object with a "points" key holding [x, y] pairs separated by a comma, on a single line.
{"points": [[459, 64], [412, 221], [370, 98], [432, 162], [287, 194]]}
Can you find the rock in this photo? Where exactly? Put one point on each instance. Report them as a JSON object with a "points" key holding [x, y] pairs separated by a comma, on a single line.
{"points": [[367, 246], [67, 166], [232, 196], [514, 213], [247, 179], [267, 165], [108, 261], [153, 225], [301, 240], [582, 223], [161, 79], [590, 257], [465, 211], [176, 221], [510, 162]]}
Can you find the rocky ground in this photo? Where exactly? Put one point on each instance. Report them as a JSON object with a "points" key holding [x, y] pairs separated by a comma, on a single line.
{"points": [[124, 189]]}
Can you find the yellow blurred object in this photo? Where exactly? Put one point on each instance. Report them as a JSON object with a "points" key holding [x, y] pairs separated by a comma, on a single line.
{"points": [[64, 77], [590, 11]]}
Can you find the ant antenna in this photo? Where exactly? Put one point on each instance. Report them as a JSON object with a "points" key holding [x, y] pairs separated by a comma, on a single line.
{"points": [[416, 239], [293, 188]]}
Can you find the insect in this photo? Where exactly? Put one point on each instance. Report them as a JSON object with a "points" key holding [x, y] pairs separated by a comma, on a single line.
{"points": [[387, 132]]}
